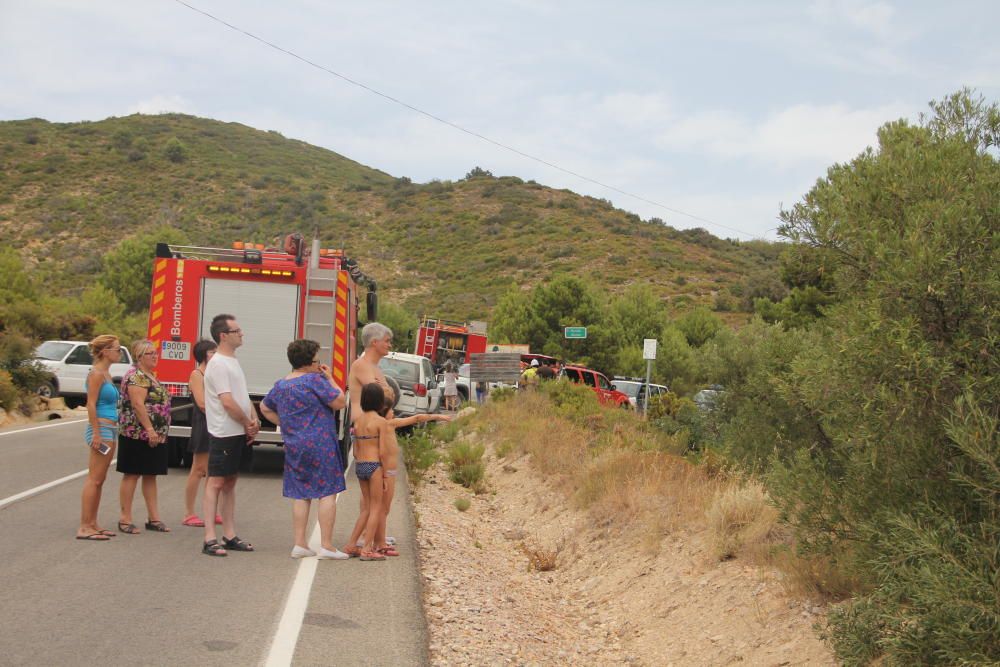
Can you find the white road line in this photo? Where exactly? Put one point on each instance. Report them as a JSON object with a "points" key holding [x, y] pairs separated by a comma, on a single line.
{"points": [[287, 635], [35, 428], [44, 487]]}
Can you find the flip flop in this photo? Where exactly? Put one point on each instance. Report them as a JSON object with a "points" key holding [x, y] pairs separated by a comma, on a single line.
{"points": [[371, 555], [107, 533], [94, 537], [193, 520]]}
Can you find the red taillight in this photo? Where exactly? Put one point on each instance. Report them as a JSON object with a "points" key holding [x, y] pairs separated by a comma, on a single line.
{"points": [[420, 389]]}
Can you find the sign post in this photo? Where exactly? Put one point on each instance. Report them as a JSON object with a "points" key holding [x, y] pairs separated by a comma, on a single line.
{"points": [[575, 332], [649, 354]]}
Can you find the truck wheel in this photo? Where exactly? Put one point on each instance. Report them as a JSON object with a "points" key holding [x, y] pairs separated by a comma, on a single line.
{"points": [[463, 395], [46, 389]]}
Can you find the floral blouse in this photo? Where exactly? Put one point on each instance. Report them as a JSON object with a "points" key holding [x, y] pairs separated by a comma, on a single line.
{"points": [[157, 405]]}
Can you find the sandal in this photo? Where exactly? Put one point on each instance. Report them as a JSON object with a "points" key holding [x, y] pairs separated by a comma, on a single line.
{"points": [[94, 537], [106, 533], [193, 520], [236, 544], [388, 550], [128, 528], [353, 552], [157, 527], [212, 548], [371, 555]]}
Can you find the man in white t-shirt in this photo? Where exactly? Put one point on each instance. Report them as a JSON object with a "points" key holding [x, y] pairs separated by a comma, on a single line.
{"points": [[232, 425]]}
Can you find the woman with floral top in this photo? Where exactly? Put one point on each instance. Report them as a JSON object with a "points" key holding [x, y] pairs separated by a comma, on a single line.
{"points": [[143, 420]]}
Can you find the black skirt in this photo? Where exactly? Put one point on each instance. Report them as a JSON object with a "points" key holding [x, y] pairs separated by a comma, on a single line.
{"points": [[136, 457], [198, 442]]}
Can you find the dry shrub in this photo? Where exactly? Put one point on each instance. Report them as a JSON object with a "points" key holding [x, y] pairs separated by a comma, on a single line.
{"points": [[815, 577], [541, 559], [742, 520]]}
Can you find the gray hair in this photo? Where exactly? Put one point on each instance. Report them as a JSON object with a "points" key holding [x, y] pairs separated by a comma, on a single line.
{"points": [[372, 332], [139, 348]]}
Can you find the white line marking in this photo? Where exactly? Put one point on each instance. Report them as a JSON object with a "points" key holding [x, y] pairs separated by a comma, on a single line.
{"points": [[62, 422], [286, 638], [44, 487]]}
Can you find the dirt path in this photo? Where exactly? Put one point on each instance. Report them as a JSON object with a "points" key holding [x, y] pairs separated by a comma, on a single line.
{"points": [[609, 600]]}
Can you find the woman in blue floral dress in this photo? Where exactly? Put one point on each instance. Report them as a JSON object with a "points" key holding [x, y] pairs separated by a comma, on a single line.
{"points": [[304, 404]]}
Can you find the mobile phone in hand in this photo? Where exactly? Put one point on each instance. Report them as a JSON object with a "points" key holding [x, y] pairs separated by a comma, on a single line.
{"points": [[103, 448]]}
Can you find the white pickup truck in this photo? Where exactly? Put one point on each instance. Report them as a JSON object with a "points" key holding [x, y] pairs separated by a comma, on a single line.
{"points": [[70, 361]]}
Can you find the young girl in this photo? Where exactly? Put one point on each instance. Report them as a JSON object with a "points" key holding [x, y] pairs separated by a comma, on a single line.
{"points": [[390, 461], [371, 435]]}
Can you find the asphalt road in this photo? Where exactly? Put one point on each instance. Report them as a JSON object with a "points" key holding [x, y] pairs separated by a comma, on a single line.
{"points": [[153, 599]]}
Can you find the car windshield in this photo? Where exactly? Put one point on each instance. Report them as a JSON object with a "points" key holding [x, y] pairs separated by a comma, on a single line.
{"points": [[53, 350], [404, 371], [630, 389]]}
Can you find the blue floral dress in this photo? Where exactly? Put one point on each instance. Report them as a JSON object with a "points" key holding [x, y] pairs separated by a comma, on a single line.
{"points": [[312, 464]]}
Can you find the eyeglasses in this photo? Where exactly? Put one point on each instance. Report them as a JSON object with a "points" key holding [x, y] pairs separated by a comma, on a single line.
{"points": [[233, 331], [151, 353]]}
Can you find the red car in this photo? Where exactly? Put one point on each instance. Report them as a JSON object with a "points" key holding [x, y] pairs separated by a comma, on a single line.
{"points": [[606, 392]]}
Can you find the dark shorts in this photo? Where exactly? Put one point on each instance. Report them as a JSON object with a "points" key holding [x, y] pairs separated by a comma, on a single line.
{"points": [[225, 454]]}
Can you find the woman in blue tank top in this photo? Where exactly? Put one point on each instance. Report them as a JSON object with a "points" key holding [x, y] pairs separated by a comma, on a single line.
{"points": [[101, 434]]}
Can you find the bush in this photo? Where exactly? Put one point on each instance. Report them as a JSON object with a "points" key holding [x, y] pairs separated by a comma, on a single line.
{"points": [[465, 461], [741, 518], [462, 504], [10, 396], [175, 151], [419, 454]]}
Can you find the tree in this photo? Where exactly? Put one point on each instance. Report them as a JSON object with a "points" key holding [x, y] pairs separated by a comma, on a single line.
{"points": [[639, 314], [698, 326], [402, 322], [128, 269], [904, 387], [174, 150]]}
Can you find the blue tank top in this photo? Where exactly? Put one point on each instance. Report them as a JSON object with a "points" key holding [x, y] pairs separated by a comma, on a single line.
{"points": [[107, 402]]}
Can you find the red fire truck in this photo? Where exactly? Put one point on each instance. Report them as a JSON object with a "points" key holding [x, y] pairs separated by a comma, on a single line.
{"points": [[276, 295], [442, 341]]}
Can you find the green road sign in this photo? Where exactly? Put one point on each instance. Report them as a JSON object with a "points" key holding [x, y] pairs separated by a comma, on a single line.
{"points": [[575, 332]]}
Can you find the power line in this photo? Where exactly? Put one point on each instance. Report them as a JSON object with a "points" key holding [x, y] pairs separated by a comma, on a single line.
{"points": [[455, 126]]}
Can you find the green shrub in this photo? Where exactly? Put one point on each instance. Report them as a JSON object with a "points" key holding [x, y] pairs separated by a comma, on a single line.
{"points": [[573, 401], [419, 454], [10, 396], [462, 504], [465, 461]]}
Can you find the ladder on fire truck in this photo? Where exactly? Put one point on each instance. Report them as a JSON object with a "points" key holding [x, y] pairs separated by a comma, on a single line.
{"points": [[320, 311]]}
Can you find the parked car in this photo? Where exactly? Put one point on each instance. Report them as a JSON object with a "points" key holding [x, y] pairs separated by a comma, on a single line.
{"points": [[607, 394], [708, 399], [70, 361], [634, 388], [419, 391]]}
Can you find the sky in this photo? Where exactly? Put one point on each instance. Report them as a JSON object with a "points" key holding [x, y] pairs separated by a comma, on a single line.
{"points": [[711, 114]]}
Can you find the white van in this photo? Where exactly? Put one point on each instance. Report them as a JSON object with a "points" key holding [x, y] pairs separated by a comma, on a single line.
{"points": [[69, 361]]}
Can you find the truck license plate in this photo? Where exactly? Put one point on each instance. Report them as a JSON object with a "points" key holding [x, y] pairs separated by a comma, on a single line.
{"points": [[175, 350]]}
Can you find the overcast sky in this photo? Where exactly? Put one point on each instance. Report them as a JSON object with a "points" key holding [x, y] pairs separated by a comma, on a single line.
{"points": [[722, 110]]}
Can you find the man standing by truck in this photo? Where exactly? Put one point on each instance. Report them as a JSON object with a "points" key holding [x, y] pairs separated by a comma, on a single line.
{"points": [[377, 340], [232, 426]]}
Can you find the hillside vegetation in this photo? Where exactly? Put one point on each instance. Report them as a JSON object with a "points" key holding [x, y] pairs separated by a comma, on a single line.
{"points": [[70, 192]]}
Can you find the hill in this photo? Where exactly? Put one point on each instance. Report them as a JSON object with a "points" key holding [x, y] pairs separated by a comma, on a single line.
{"points": [[70, 191]]}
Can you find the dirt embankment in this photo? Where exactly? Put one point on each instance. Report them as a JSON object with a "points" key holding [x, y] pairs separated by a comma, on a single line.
{"points": [[611, 598]]}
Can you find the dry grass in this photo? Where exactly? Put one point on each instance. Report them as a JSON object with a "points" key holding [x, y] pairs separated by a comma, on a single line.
{"points": [[742, 520], [541, 559], [625, 477]]}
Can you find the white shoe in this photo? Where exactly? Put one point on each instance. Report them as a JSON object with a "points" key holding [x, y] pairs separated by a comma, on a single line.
{"points": [[336, 554], [391, 541], [301, 552]]}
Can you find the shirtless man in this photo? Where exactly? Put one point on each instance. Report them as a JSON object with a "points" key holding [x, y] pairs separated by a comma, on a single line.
{"points": [[377, 341]]}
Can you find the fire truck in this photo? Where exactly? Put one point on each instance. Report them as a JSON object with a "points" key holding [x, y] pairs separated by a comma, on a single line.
{"points": [[276, 295], [442, 341]]}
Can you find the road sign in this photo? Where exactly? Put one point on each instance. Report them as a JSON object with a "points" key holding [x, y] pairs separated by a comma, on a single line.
{"points": [[649, 348], [575, 332]]}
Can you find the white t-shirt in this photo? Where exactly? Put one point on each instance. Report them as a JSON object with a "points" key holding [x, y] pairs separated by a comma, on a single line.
{"points": [[223, 374]]}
